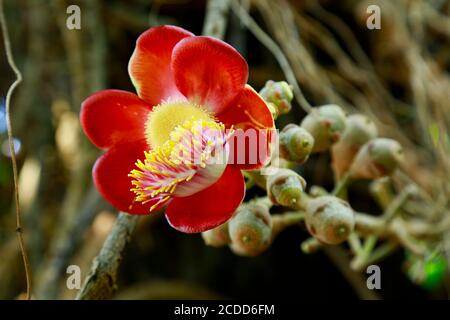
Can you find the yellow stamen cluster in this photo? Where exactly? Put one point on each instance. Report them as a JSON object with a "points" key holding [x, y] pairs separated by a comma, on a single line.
{"points": [[165, 117], [190, 146]]}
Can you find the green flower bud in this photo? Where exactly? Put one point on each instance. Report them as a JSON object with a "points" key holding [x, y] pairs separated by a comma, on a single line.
{"points": [[217, 237], [250, 230], [359, 130], [326, 124], [285, 188], [279, 95], [377, 158], [296, 143], [329, 219]]}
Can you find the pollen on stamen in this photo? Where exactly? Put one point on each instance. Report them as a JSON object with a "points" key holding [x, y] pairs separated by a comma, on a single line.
{"points": [[190, 147], [164, 118]]}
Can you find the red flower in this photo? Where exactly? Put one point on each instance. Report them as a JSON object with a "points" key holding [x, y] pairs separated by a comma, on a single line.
{"points": [[191, 90]]}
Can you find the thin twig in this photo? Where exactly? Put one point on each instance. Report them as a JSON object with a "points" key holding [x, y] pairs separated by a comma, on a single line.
{"points": [[342, 185], [284, 220], [19, 228], [355, 243], [275, 50], [356, 280], [377, 255], [216, 18], [394, 207], [363, 255]]}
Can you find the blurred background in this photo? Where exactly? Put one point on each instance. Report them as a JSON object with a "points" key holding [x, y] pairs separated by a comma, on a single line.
{"points": [[398, 76]]}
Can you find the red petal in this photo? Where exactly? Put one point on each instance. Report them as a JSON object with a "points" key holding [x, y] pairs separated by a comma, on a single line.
{"points": [[210, 207], [149, 66], [208, 71], [111, 117], [253, 121], [110, 175]]}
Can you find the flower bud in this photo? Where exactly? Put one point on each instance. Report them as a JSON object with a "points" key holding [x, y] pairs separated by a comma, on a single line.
{"points": [[329, 219], [285, 188], [279, 95], [358, 131], [217, 237], [326, 124], [296, 143], [377, 158], [250, 230]]}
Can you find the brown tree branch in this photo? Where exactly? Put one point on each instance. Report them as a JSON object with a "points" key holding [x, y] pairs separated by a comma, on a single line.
{"points": [[101, 280]]}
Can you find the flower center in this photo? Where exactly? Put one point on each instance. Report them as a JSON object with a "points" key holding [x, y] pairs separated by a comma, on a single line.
{"points": [[165, 117], [189, 153]]}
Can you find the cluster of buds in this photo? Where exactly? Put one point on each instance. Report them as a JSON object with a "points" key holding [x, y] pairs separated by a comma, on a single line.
{"points": [[359, 130], [248, 233], [378, 158], [357, 153], [278, 95], [250, 230]]}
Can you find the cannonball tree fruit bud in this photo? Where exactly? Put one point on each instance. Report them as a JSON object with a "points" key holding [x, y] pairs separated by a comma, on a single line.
{"points": [[326, 124], [358, 131], [296, 143], [377, 158], [279, 95], [329, 219], [250, 230], [286, 187], [217, 237]]}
